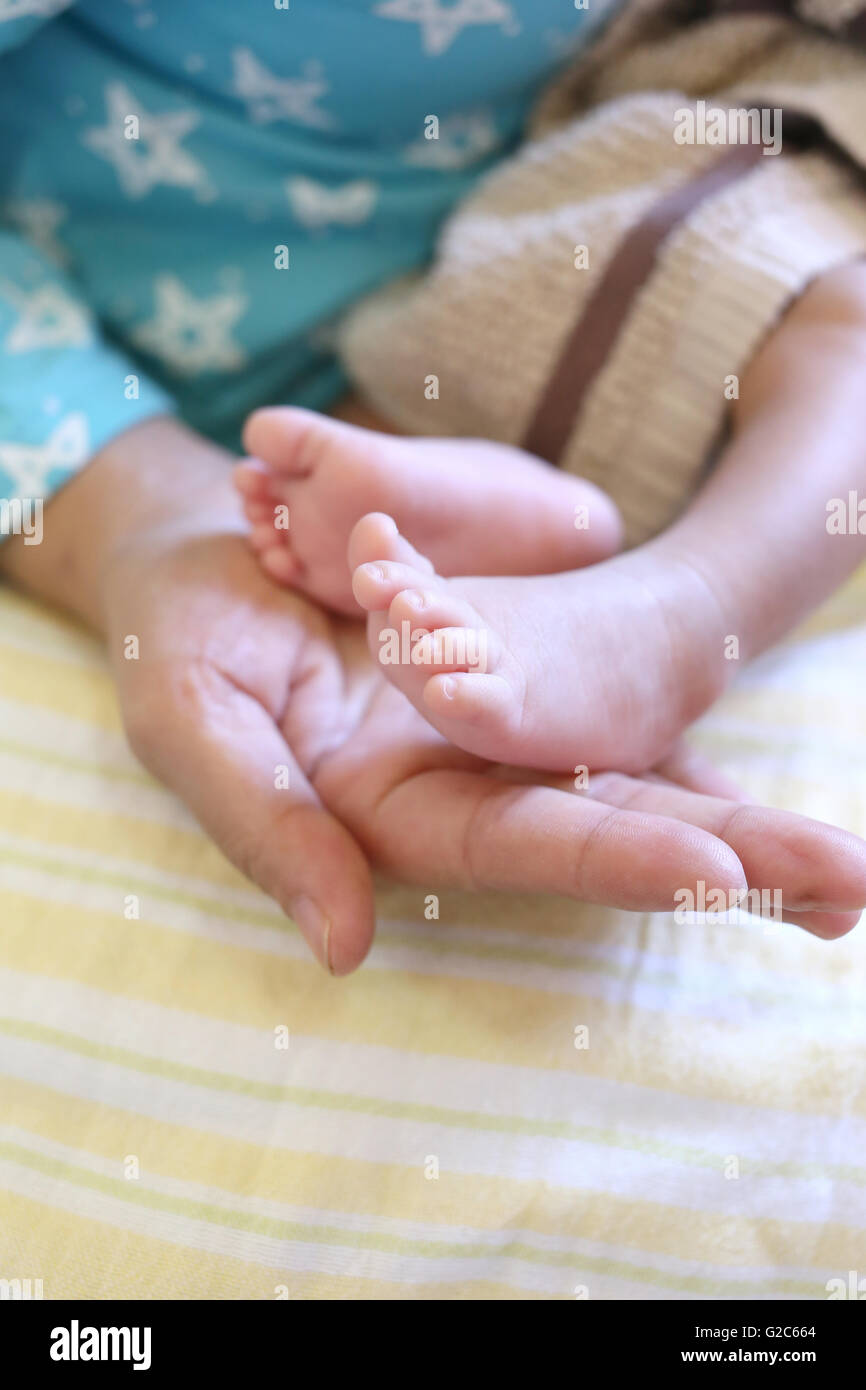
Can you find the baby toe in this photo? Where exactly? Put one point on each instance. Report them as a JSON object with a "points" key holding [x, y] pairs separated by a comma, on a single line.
{"points": [[281, 564], [252, 479], [376, 537], [259, 513], [377, 583], [474, 698], [262, 537], [453, 649], [433, 606], [290, 439]]}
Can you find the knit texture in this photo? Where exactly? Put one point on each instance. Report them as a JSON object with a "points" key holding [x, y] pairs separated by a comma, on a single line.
{"points": [[509, 282]]}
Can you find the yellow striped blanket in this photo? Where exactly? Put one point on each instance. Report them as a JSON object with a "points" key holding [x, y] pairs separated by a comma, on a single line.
{"points": [[521, 1099]]}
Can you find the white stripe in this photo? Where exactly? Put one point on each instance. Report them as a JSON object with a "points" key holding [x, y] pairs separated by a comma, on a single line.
{"points": [[703, 986], [379, 1138], [90, 791], [28, 629], [244, 896], [361, 1224], [288, 1255], [32, 727]]}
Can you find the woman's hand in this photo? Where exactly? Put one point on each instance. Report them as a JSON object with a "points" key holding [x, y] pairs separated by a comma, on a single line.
{"points": [[274, 726], [270, 721]]}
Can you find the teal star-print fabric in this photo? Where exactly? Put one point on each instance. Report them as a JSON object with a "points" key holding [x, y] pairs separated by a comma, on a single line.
{"points": [[191, 194]]}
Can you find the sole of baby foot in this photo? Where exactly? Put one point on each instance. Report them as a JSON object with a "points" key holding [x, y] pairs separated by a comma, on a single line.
{"points": [[472, 505], [556, 672]]}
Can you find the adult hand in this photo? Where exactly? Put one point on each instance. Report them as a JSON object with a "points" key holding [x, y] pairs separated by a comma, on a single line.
{"points": [[237, 680]]}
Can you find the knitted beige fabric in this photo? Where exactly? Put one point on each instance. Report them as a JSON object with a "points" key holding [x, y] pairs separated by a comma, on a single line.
{"points": [[489, 319]]}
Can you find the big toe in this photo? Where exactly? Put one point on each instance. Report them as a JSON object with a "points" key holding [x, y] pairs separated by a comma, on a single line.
{"points": [[291, 439], [376, 537]]}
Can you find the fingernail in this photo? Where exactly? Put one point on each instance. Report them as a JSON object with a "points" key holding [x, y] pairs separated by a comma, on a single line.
{"points": [[448, 688], [315, 927], [328, 958]]}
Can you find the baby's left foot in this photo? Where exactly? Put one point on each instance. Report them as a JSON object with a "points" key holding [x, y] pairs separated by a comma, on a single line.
{"points": [[602, 667], [471, 504]]}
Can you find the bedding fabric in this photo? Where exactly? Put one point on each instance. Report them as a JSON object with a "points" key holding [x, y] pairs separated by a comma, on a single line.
{"points": [[432, 1130]]}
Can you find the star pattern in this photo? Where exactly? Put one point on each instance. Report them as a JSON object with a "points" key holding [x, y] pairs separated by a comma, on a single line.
{"points": [[192, 335], [156, 156], [21, 9], [38, 219], [48, 318], [269, 98], [127, 152], [462, 141], [30, 465], [316, 205], [441, 24]]}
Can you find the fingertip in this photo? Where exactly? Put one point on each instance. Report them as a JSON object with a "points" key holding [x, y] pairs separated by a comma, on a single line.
{"points": [[332, 901], [347, 943], [340, 943], [828, 926], [706, 863]]}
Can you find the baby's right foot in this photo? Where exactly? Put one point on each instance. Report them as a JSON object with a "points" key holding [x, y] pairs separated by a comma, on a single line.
{"points": [[473, 506], [601, 668]]}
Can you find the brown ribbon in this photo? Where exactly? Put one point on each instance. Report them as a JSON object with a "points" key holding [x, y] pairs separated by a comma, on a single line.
{"points": [[590, 341], [589, 344]]}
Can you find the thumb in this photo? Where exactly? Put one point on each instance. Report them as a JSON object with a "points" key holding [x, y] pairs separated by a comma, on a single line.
{"points": [[219, 749]]}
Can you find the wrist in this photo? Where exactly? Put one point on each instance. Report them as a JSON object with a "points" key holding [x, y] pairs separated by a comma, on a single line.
{"points": [[156, 480]]}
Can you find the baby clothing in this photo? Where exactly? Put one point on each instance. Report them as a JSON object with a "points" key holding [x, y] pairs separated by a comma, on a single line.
{"points": [[192, 193], [598, 295]]}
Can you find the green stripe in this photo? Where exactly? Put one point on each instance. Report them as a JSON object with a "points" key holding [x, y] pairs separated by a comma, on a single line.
{"points": [[309, 1097], [277, 1229], [83, 873], [219, 908], [436, 944]]}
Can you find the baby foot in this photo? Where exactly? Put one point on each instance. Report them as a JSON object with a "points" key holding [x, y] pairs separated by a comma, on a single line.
{"points": [[601, 668], [472, 505]]}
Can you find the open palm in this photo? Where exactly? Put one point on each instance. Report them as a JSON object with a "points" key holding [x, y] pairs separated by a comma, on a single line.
{"points": [[271, 722]]}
